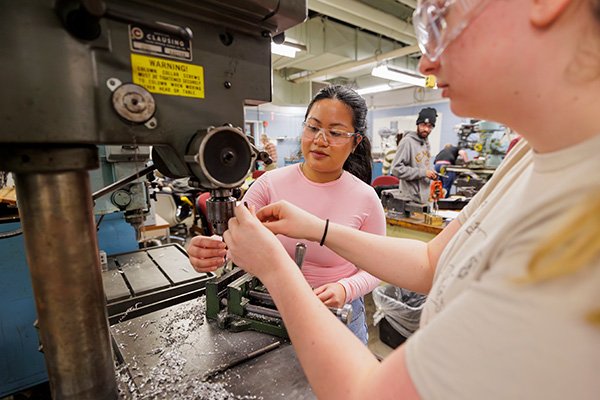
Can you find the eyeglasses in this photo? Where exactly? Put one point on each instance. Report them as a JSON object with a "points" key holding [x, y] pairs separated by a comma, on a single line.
{"points": [[431, 25], [333, 137]]}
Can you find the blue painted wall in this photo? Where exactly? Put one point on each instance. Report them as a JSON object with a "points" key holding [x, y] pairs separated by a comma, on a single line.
{"points": [[115, 234], [21, 364]]}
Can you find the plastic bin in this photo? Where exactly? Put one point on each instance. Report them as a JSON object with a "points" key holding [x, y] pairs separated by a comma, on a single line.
{"points": [[398, 313]]}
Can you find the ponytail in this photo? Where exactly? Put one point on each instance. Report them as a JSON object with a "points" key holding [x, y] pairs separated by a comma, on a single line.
{"points": [[358, 162]]}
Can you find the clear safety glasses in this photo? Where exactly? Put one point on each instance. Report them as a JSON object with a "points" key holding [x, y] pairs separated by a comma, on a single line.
{"points": [[333, 137], [438, 22]]}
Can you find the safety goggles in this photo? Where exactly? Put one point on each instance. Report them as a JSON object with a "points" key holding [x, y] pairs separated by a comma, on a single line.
{"points": [[438, 22], [333, 137]]}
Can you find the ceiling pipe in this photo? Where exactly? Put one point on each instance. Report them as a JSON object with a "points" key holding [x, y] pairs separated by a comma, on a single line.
{"points": [[337, 70], [366, 17]]}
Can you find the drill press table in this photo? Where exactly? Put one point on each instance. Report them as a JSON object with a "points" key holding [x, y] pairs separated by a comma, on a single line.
{"points": [[166, 353]]}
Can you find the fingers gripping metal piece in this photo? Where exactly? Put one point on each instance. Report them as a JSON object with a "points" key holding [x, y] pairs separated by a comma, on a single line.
{"points": [[344, 313]]}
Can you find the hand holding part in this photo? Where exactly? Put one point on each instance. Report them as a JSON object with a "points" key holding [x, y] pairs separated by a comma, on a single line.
{"points": [[207, 253], [252, 246], [331, 294], [286, 219], [431, 174]]}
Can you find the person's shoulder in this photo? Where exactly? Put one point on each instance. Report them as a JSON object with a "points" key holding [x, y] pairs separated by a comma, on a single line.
{"points": [[287, 172], [275, 178], [358, 186], [409, 138]]}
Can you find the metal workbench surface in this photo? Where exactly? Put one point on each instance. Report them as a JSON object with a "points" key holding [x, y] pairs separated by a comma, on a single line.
{"points": [[165, 354]]}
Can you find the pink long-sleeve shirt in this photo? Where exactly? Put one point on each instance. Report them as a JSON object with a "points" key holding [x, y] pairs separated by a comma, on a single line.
{"points": [[347, 201]]}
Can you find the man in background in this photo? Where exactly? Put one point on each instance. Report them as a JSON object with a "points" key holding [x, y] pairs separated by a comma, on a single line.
{"points": [[271, 149], [449, 155], [412, 163]]}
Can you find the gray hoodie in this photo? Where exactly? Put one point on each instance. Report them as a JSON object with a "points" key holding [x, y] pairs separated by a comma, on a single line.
{"points": [[410, 164]]}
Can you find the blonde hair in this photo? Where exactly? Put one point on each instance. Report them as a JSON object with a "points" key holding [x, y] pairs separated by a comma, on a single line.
{"points": [[569, 249]]}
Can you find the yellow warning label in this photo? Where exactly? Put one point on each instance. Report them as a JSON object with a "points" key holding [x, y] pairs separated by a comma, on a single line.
{"points": [[168, 77]]}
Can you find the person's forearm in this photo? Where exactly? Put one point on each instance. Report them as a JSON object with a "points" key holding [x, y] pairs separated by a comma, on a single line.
{"points": [[336, 364], [359, 284], [402, 262]]}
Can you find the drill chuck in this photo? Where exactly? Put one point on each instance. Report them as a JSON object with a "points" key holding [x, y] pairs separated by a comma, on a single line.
{"points": [[220, 208]]}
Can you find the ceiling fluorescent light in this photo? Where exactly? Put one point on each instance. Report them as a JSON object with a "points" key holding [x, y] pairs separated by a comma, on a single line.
{"points": [[285, 49], [379, 88], [394, 74]]}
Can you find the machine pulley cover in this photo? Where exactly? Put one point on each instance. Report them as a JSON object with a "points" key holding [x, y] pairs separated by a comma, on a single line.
{"points": [[224, 157]]}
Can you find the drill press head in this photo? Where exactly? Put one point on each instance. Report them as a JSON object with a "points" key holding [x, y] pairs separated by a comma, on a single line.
{"points": [[220, 159]]}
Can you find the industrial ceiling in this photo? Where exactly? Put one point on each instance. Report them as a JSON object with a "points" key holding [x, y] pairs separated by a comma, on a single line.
{"points": [[341, 42]]}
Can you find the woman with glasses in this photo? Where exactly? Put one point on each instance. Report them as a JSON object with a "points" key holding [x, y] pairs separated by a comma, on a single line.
{"points": [[513, 310], [332, 183]]}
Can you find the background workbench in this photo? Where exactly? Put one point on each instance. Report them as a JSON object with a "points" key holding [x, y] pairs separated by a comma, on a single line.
{"points": [[411, 228]]}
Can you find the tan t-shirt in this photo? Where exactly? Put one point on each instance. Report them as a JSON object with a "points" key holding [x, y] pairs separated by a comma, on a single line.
{"points": [[483, 336]]}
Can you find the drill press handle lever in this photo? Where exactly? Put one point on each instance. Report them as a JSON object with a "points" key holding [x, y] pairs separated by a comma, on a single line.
{"points": [[299, 254]]}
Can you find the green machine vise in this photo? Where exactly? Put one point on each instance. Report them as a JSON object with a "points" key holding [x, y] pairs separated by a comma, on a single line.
{"points": [[238, 301]]}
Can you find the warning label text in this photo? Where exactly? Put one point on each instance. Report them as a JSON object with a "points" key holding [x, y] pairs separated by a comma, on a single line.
{"points": [[167, 77]]}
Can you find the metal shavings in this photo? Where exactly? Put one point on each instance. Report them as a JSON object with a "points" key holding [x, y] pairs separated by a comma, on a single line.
{"points": [[176, 328], [146, 323], [158, 350], [168, 379], [130, 309]]}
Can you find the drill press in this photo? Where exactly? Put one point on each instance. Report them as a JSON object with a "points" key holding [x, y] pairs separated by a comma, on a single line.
{"points": [[174, 75]]}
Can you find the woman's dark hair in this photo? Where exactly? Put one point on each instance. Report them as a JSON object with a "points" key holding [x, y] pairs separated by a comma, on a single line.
{"points": [[399, 137], [358, 162]]}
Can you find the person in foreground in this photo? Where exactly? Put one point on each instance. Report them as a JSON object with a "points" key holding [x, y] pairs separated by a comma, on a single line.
{"points": [[332, 182], [514, 301]]}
